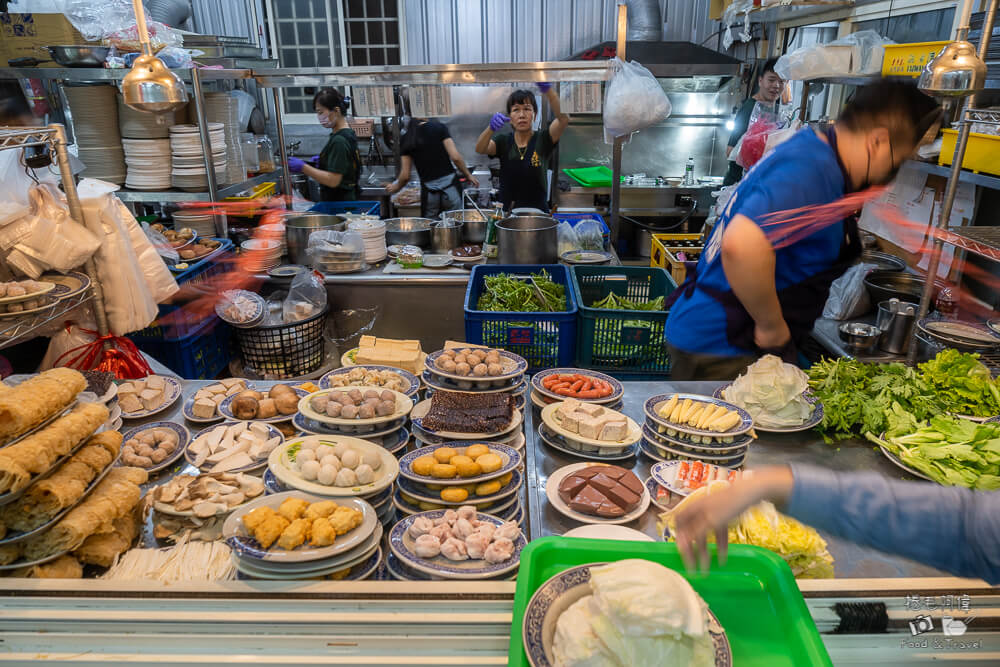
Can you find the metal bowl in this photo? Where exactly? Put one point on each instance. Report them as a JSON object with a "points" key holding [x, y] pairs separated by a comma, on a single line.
{"points": [[474, 223], [408, 231], [299, 227], [860, 336], [79, 56], [885, 285], [883, 260]]}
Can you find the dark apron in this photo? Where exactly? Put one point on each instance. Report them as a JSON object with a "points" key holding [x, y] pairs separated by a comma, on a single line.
{"points": [[520, 186], [429, 195], [340, 193], [801, 304]]}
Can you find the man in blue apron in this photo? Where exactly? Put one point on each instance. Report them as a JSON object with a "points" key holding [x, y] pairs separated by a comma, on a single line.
{"points": [[745, 298], [524, 154]]}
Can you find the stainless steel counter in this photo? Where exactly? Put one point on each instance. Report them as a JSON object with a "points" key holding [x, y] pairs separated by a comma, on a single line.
{"points": [[851, 561], [637, 200]]}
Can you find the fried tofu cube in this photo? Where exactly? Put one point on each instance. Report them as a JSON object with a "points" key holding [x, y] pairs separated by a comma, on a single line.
{"points": [[323, 533], [295, 534], [293, 508], [258, 516], [345, 519], [270, 530], [320, 510]]}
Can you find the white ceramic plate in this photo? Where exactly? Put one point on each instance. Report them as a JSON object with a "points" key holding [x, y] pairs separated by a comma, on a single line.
{"points": [[171, 392], [280, 463], [551, 420], [611, 532], [557, 442], [207, 467], [510, 457], [246, 547], [403, 407], [665, 474], [421, 409], [513, 366], [46, 288], [815, 417], [552, 493], [356, 557], [654, 402], [326, 382], [617, 388], [51, 303]]}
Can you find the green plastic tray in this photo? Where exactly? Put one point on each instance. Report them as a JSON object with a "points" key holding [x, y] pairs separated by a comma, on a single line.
{"points": [[591, 177], [754, 596]]}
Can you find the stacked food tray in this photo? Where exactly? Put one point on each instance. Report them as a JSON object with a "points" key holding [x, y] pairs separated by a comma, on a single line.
{"points": [[696, 428]]}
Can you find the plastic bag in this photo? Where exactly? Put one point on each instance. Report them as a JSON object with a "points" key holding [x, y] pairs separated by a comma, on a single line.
{"points": [[589, 235], [408, 196], [780, 136], [306, 297], [848, 295], [567, 239], [634, 100], [763, 121], [245, 104], [162, 245], [97, 18], [857, 53], [54, 240]]}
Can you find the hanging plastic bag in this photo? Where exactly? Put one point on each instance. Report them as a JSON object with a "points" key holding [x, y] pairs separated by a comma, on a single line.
{"points": [[780, 136], [589, 235], [763, 121], [848, 295], [858, 53], [634, 100], [162, 245], [54, 240], [567, 240], [306, 297]]}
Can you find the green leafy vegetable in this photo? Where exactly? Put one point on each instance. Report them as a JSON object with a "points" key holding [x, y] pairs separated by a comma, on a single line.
{"points": [[614, 302], [964, 385], [503, 292]]}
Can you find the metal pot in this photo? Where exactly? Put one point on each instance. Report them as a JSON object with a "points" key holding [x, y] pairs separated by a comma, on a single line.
{"points": [[298, 229], [859, 336], [408, 231], [895, 321], [79, 56], [445, 235], [473, 223], [527, 239], [885, 285]]}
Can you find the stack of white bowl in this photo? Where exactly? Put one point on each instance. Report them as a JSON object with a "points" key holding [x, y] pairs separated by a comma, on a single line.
{"points": [[223, 108], [373, 233], [201, 222], [262, 254], [188, 160], [95, 127], [148, 162]]}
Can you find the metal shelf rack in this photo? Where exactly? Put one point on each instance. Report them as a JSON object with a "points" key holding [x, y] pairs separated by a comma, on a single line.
{"points": [[53, 136]]}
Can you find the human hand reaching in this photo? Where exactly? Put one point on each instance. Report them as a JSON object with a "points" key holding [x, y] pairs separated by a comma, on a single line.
{"points": [[295, 165], [498, 121]]}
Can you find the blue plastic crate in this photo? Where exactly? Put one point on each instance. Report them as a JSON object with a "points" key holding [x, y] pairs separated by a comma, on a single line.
{"points": [[200, 355], [338, 207], [546, 340], [575, 218]]}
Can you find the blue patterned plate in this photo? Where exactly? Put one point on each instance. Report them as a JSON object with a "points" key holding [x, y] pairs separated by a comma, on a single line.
{"points": [[326, 382], [665, 474], [498, 508], [235, 534], [815, 417], [746, 421], [402, 545], [421, 409], [659, 452], [311, 568], [513, 366], [67, 285], [190, 456], [359, 571], [435, 382], [183, 437], [740, 444], [556, 441], [225, 409], [511, 459], [617, 388], [421, 492], [556, 596]]}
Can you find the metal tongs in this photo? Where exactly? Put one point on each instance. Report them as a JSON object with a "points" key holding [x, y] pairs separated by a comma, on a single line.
{"points": [[538, 290]]}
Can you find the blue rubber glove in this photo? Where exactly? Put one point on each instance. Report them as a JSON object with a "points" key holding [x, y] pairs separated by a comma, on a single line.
{"points": [[498, 121], [295, 165], [314, 161], [544, 86]]}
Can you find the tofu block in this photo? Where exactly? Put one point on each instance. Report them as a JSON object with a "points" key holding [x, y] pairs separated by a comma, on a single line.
{"points": [[591, 410], [139, 385], [217, 388], [151, 398], [155, 382], [614, 430], [203, 408], [219, 398], [126, 388], [233, 462], [235, 389], [590, 427], [222, 454], [130, 402], [229, 383], [203, 394]]}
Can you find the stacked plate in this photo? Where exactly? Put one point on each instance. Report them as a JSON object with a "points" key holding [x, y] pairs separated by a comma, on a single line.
{"points": [[373, 233], [143, 125], [187, 156], [95, 126], [148, 162], [223, 108], [262, 254], [485, 490], [611, 390], [351, 551], [380, 501], [202, 223], [665, 440], [274, 231], [556, 433]]}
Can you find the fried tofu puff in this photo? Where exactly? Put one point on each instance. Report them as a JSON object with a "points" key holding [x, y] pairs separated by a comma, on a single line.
{"points": [[253, 519], [323, 533], [345, 519], [320, 510], [293, 508], [270, 530], [295, 534]]}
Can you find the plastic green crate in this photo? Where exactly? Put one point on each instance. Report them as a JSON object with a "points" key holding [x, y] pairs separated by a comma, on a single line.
{"points": [[591, 177], [754, 596], [621, 341]]}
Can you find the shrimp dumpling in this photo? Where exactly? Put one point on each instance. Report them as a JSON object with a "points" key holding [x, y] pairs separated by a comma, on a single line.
{"points": [[486, 529], [346, 477], [420, 526], [454, 549], [305, 455], [451, 516], [475, 545], [462, 529], [350, 459], [499, 551], [364, 473], [340, 448], [323, 451], [310, 470], [509, 530], [427, 546], [327, 474], [467, 512], [372, 459], [441, 531]]}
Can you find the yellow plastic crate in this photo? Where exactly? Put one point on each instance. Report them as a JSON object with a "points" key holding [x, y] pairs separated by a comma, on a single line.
{"points": [[909, 59], [260, 191], [664, 248], [981, 154]]}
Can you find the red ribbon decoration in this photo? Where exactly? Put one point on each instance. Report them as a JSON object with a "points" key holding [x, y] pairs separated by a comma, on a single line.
{"points": [[123, 358]]}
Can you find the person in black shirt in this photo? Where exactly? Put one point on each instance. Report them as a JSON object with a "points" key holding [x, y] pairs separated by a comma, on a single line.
{"points": [[338, 167], [769, 90], [428, 146], [524, 154]]}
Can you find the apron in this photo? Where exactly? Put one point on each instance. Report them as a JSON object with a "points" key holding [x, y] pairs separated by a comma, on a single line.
{"points": [[801, 303], [519, 183], [342, 194], [435, 198]]}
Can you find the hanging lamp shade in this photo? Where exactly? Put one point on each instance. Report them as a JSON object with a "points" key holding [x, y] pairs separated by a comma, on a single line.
{"points": [[956, 72], [151, 86]]}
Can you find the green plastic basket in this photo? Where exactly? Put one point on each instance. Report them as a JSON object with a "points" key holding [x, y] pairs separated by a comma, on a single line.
{"points": [[591, 177], [621, 341], [754, 596]]}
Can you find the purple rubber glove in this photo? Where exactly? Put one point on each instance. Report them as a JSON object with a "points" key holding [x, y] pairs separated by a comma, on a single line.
{"points": [[498, 121], [295, 165], [314, 161], [544, 86]]}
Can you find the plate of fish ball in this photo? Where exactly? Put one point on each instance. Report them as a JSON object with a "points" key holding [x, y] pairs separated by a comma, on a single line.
{"points": [[275, 404], [334, 465], [154, 446], [355, 407], [480, 494], [459, 463], [295, 527], [476, 363], [457, 543]]}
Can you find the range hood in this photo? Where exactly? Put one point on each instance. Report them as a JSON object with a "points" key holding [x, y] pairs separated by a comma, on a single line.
{"points": [[671, 59]]}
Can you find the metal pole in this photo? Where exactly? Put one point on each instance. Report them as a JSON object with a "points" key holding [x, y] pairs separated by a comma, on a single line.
{"points": [[286, 176], [76, 212], [805, 102], [206, 147], [953, 178], [616, 150]]}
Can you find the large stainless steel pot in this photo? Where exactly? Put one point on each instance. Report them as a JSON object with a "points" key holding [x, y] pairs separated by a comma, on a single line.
{"points": [[527, 239], [408, 231], [445, 235], [473, 223], [79, 56], [298, 229]]}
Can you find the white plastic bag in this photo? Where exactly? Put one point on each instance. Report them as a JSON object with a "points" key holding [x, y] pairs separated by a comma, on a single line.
{"points": [[566, 238], [306, 297], [52, 240], [162, 245], [69, 337], [857, 53], [634, 100], [782, 135], [848, 294]]}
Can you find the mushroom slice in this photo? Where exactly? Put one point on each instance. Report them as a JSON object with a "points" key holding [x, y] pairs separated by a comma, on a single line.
{"points": [[234, 499], [205, 509]]}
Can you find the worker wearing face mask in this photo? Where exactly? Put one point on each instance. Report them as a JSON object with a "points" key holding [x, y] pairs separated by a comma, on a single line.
{"points": [[770, 87], [524, 154], [746, 298], [338, 167]]}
